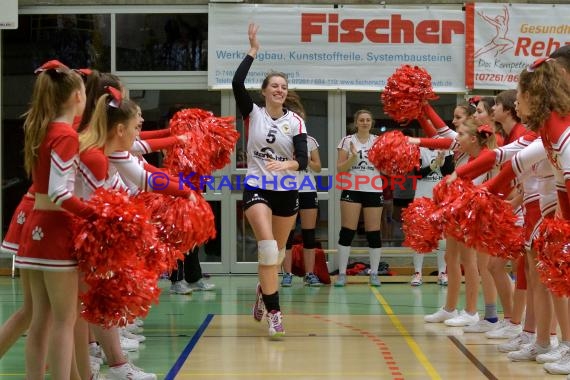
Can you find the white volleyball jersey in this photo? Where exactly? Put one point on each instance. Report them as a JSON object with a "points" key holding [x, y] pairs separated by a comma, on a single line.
{"points": [[306, 178], [271, 140], [363, 167], [425, 185]]}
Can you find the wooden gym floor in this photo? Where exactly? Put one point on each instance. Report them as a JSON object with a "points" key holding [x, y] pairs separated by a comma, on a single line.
{"points": [[356, 332]]}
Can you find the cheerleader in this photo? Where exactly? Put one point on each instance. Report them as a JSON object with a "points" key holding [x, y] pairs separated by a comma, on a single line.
{"points": [[45, 254], [470, 141]]}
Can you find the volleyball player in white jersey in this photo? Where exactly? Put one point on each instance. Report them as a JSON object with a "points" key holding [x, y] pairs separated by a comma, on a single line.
{"points": [[434, 165], [276, 150], [359, 194], [308, 206]]}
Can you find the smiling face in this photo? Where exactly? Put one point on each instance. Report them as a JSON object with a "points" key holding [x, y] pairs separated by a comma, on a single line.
{"points": [[275, 90], [363, 122]]}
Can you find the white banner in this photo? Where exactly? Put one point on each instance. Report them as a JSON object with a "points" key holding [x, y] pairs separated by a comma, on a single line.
{"points": [[507, 38], [8, 14], [348, 48]]}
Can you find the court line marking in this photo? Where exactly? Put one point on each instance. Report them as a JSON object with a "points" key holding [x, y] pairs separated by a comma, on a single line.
{"points": [[171, 375], [432, 372], [473, 359]]}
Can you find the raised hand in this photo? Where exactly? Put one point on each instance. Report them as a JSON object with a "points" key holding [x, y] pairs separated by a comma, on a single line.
{"points": [[253, 42]]}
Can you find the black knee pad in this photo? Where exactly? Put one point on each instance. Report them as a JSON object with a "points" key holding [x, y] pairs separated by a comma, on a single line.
{"points": [[289, 243], [309, 238], [345, 236], [374, 239]]}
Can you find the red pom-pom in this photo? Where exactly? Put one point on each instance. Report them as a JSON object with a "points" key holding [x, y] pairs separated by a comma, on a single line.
{"points": [[444, 193], [553, 247], [421, 225], [118, 300], [181, 222], [405, 93], [479, 219], [120, 232], [112, 251], [391, 154], [210, 142]]}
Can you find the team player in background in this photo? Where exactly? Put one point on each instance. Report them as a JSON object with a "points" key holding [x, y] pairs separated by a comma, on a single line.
{"points": [[308, 206], [353, 158], [269, 208]]}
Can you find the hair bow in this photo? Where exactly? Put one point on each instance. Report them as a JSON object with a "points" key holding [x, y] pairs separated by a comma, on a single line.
{"points": [[474, 100], [116, 95], [485, 130], [536, 64], [83, 72], [54, 64]]}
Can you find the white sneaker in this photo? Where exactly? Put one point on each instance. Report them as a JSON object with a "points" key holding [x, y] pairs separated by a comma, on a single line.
{"points": [[96, 353], [528, 353], [275, 324], [463, 319], [139, 322], [134, 328], [416, 279], [442, 279], [441, 315], [517, 342], [94, 365], [481, 326], [553, 355], [130, 372], [130, 335], [180, 287], [129, 344], [506, 330], [200, 285], [560, 367]]}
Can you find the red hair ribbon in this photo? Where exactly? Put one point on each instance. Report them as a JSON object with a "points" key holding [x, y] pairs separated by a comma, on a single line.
{"points": [[536, 64], [485, 130], [474, 100], [83, 72], [54, 64], [116, 95]]}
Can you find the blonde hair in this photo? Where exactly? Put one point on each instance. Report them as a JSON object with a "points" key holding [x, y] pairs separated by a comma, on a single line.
{"points": [[483, 139], [52, 90], [104, 119]]}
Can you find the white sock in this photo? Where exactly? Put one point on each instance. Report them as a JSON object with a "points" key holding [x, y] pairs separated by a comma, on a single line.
{"points": [[441, 267], [418, 262], [343, 254], [375, 255]]}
